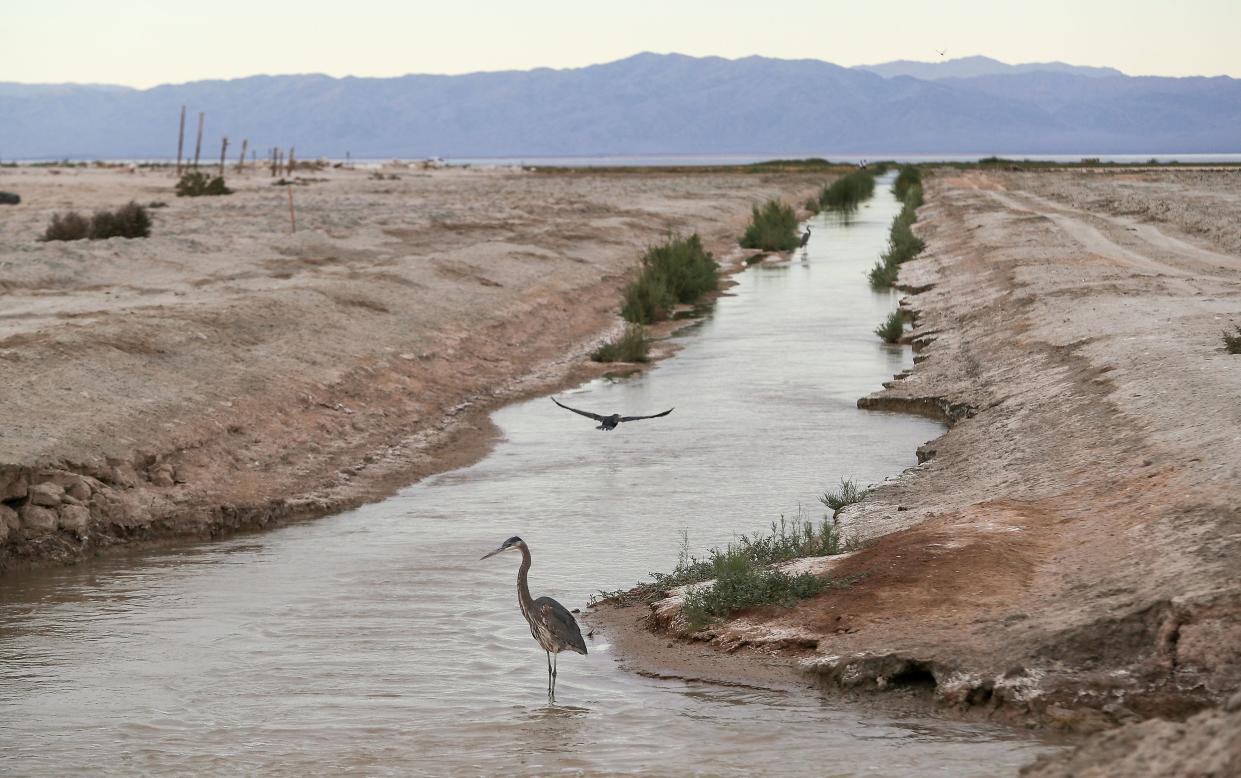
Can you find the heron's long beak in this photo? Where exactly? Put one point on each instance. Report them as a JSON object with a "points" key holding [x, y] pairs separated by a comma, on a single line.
{"points": [[493, 553]]}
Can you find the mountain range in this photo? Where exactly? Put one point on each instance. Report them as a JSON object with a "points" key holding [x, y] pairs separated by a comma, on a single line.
{"points": [[644, 104]]}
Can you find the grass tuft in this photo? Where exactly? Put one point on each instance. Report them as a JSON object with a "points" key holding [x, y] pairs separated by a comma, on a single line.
{"points": [[848, 191], [678, 271], [198, 184], [849, 493], [631, 346], [892, 328], [1232, 341], [908, 177], [773, 227], [739, 584], [903, 245]]}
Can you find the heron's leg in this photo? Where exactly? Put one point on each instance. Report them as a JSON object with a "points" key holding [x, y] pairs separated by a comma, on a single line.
{"points": [[555, 662], [551, 689]]}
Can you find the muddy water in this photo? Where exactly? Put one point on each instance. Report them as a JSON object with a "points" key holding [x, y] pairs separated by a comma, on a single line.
{"points": [[376, 642]]}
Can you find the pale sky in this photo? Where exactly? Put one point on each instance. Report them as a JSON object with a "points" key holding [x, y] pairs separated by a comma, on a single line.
{"points": [[143, 43]]}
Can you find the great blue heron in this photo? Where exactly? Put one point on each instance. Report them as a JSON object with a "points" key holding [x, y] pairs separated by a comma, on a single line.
{"points": [[608, 423], [805, 236], [551, 624]]}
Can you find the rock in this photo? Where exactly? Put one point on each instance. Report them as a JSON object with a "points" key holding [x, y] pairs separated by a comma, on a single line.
{"points": [[74, 517], [13, 484], [74, 485], [46, 494], [37, 520], [10, 198], [163, 475], [10, 519], [123, 474]]}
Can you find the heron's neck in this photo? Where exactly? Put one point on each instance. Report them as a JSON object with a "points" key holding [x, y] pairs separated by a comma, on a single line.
{"points": [[523, 587]]}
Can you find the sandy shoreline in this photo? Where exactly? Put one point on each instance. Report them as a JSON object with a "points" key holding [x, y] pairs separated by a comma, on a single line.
{"points": [[1067, 553], [226, 375]]}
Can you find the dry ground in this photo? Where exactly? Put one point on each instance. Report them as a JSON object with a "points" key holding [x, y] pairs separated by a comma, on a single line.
{"points": [[225, 373], [1070, 552]]}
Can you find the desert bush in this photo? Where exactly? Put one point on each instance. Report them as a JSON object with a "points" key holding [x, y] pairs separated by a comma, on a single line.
{"points": [[848, 191], [676, 271], [773, 227], [70, 225], [10, 198], [631, 346], [1232, 341], [128, 221], [882, 275], [848, 493], [892, 328], [198, 184]]}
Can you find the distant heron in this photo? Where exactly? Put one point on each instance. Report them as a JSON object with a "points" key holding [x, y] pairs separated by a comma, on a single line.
{"points": [[805, 236], [551, 624], [608, 423]]}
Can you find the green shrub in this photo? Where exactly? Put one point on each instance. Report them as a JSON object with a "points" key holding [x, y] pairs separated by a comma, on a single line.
{"points": [[1232, 341], [892, 328], [849, 493], [908, 177], [128, 221], [631, 346], [773, 227], [848, 191], [739, 584], [882, 275], [198, 184], [679, 270]]}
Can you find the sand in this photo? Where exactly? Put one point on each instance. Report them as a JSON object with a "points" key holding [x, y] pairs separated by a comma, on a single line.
{"points": [[226, 373], [1068, 554]]}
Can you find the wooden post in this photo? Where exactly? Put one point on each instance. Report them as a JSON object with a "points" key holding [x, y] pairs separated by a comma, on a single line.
{"points": [[292, 162], [241, 159], [180, 141], [223, 151], [198, 147], [292, 216], [273, 161]]}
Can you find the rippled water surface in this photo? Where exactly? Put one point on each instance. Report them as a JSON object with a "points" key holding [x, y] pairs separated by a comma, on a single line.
{"points": [[376, 642]]}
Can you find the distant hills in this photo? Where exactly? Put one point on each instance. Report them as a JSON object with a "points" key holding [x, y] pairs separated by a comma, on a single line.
{"points": [[645, 104], [969, 67]]}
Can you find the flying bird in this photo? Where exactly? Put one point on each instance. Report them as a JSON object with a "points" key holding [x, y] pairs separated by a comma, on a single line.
{"points": [[551, 624], [608, 423], [805, 236], [941, 53]]}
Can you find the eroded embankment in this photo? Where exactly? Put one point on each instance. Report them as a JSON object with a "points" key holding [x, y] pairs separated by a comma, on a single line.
{"points": [[225, 375], [1067, 551]]}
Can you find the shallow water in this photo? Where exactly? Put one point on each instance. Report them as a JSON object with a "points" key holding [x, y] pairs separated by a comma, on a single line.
{"points": [[376, 642]]}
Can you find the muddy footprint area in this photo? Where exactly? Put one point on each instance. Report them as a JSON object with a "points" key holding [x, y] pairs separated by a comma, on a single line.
{"points": [[1066, 556], [226, 373]]}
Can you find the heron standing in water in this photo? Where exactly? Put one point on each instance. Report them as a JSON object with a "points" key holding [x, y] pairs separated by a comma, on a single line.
{"points": [[551, 624], [805, 236]]}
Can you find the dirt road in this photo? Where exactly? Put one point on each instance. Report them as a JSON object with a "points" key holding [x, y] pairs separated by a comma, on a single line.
{"points": [[1069, 551], [227, 373]]}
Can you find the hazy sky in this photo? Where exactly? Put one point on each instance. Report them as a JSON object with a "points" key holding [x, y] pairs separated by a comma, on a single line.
{"points": [[141, 43]]}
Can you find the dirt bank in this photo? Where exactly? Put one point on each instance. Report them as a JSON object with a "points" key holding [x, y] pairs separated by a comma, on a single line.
{"points": [[226, 374], [1068, 551]]}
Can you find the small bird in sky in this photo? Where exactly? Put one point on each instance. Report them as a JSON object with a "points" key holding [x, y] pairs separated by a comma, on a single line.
{"points": [[608, 423], [941, 52]]}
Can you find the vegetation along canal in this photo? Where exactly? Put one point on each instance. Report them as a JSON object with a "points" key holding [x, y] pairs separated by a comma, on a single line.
{"points": [[377, 642]]}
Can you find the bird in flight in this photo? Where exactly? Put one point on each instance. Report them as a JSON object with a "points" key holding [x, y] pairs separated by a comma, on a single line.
{"points": [[940, 51], [608, 423]]}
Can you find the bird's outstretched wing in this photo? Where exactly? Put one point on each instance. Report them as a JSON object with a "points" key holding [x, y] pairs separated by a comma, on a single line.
{"points": [[640, 418], [587, 414], [561, 623]]}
